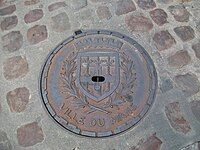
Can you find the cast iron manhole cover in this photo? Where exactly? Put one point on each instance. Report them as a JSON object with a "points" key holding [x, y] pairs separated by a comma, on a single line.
{"points": [[98, 83]]}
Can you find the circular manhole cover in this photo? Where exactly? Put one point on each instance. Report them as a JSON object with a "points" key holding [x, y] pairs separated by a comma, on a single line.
{"points": [[98, 83]]}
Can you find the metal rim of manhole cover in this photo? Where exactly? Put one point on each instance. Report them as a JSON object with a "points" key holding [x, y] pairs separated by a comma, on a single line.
{"points": [[98, 83]]}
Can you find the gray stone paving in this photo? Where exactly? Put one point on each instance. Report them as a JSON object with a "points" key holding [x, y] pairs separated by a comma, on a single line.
{"points": [[168, 29]]}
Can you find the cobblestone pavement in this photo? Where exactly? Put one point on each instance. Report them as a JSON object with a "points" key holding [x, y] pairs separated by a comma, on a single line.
{"points": [[168, 29]]}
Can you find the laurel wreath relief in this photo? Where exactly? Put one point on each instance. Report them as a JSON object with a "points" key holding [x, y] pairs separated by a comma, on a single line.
{"points": [[122, 95]]}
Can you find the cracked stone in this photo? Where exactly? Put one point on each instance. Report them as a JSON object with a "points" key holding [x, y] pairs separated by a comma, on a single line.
{"points": [[15, 67], [9, 23], [166, 85], [146, 4], [36, 34], [61, 22], [4, 141], [78, 4], [152, 143], [33, 15], [124, 7], [7, 10], [196, 48], [188, 83], [159, 16], [103, 12], [180, 13], [56, 6], [176, 118], [18, 99], [30, 134], [12, 41], [185, 33], [31, 2], [163, 40], [138, 23], [179, 59], [195, 107]]}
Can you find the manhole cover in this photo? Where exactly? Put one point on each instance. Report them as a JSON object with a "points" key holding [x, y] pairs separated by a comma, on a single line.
{"points": [[98, 83]]}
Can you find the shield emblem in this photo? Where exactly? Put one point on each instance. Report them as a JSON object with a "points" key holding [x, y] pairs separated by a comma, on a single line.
{"points": [[98, 73]]}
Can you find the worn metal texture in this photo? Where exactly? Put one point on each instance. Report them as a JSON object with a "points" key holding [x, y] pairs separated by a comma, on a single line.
{"points": [[98, 83]]}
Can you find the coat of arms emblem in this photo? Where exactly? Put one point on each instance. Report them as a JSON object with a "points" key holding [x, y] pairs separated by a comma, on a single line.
{"points": [[98, 73]]}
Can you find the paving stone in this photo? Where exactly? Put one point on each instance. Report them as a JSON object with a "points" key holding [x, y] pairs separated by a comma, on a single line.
{"points": [[7, 10], [195, 107], [188, 83], [176, 118], [18, 99], [78, 4], [56, 6], [163, 40], [146, 4], [166, 84], [186, 33], [15, 67], [159, 16], [61, 22], [4, 141], [31, 2], [196, 48], [9, 23], [12, 41], [86, 15], [103, 12], [29, 134], [138, 23], [33, 15], [36, 34], [179, 12], [179, 59], [152, 143], [124, 7]]}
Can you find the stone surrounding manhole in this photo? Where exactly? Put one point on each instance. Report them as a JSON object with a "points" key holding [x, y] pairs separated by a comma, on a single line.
{"points": [[163, 40], [98, 83], [9, 22], [7, 10], [18, 99], [103, 12], [176, 118], [180, 13], [29, 134], [33, 15], [37, 34], [179, 59], [56, 6], [138, 23], [15, 67], [185, 33], [12, 41], [151, 143], [159, 16], [124, 7]]}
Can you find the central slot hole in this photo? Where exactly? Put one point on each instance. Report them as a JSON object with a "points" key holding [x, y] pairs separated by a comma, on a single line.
{"points": [[98, 79]]}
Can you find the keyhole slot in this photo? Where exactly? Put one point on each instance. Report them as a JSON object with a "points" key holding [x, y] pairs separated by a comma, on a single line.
{"points": [[98, 79]]}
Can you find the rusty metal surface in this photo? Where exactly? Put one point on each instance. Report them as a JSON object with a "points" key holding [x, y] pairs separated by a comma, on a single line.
{"points": [[98, 83]]}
